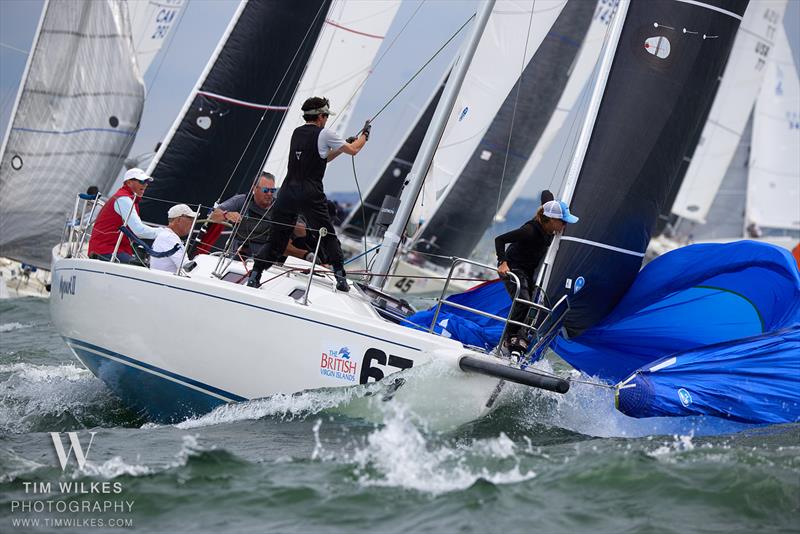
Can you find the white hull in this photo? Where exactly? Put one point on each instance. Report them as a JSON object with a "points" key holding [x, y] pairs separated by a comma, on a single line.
{"points": [[176, 346]]}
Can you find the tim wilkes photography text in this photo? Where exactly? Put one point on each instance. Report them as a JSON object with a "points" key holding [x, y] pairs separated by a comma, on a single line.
{"points": [[68, 502]]}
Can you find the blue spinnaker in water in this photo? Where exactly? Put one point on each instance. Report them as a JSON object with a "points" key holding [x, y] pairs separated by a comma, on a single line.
{"points": [[725, 317], [690, 297], [468, 327], [752, 380]]}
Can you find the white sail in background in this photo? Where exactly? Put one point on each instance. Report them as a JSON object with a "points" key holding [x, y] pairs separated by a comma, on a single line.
{"points": [[151, 22], [341, 61], [744, 73], [500, 58], [773, 191], [74, 120], [530, 179]]}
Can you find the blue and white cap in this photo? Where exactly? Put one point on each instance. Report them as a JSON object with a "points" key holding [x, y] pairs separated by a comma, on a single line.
{"points": [[556, 209]]}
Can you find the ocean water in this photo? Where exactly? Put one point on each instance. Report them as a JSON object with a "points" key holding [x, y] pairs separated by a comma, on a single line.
{"points": [[539, 463]]}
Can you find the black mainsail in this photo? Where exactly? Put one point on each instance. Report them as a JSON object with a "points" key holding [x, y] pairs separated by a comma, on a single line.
{"points": [[232, 116], [660, 87]]}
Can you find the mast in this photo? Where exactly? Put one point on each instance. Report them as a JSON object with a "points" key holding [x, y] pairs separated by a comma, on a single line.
{"points": [[391, 239], [607, 58]]}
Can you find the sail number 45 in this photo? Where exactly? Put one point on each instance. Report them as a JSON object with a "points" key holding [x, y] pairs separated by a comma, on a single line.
{"points": [[375, 360]]}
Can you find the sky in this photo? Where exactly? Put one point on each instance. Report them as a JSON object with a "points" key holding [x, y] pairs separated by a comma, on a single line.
{"points": [[175, 71]]}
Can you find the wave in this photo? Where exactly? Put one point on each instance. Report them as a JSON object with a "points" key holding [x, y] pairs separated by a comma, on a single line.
{"points": [[9, 327], [51, 398]]}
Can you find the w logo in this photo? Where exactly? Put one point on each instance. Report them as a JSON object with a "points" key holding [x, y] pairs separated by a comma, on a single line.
{"points": [[74, 445], [297, 154]]}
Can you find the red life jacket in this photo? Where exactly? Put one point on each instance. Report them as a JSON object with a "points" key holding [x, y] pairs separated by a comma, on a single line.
{"points": [[106, 228]]}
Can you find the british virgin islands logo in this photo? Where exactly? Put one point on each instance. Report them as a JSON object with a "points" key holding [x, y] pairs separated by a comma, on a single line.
{"points": [[336, 363]]}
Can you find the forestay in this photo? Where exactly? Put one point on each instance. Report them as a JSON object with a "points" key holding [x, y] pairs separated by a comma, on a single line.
{"points": [[76, 114]]}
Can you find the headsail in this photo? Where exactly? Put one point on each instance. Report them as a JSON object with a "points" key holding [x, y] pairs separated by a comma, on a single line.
{"points": [[660, 86], [773, 192], [473, 145], [741, 83], [229, 120], [338, 67], [76, 114], [151, 22]]}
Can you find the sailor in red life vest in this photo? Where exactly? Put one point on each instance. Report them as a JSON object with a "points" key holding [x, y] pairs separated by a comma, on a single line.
{"points": [[106, 228]]}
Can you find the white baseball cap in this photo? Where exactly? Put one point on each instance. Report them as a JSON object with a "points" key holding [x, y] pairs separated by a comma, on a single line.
{"points": [[179, 210], [137, 174], [556, 209]]}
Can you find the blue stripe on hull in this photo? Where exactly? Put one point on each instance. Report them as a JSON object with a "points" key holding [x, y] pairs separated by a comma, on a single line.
{"points": [[159, 399]]}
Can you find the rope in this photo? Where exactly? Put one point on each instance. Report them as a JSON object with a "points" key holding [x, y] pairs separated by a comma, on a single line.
{"points": [[422, 68]]}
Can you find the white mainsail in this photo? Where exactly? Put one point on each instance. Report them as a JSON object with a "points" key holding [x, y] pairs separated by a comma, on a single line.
{"points": [[531, 179], [76, 114], [737, 92], [341, 62], [151, 22], [773, 191]]}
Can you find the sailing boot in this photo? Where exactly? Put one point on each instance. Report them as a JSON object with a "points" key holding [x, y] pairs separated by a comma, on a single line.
{"points": [[341, 279], [254, 280]]}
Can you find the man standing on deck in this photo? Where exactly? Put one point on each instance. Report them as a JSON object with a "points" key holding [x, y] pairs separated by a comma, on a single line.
{"points": [[125, 201], [312, 147]]}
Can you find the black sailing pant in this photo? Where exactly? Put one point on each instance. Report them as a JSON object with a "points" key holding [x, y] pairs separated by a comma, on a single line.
{"points": [[520, 311], [310, 202]]}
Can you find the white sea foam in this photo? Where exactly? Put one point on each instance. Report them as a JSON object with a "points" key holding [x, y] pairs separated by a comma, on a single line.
{"points": [[9, 327], [399, 454], [111, 468], [30, 391]]}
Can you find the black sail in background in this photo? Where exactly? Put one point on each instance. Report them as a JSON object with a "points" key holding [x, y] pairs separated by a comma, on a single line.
{"points": [[391, 180], [470, 205], [656, 100], [259, 65]]}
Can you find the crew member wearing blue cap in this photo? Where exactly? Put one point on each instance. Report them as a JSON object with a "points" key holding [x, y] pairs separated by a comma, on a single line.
{"points": [[521, 251]]}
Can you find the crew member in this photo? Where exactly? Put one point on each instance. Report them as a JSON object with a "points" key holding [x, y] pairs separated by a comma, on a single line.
{"points": [[106, 228], [311, 148], [180, 217], [527, 247]]}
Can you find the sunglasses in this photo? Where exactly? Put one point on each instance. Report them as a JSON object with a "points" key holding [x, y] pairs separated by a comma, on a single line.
{"points": [[272, 190], [143, 182]]}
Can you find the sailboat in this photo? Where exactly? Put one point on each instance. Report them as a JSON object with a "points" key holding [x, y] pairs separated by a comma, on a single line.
{"points": [[293, 334], [297, 332], [76, 121]]}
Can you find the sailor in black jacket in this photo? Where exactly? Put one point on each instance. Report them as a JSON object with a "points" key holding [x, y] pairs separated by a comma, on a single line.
{"points": [[521, 251], [312, 147]]}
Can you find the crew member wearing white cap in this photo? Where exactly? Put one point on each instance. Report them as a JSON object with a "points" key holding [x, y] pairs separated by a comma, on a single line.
{"points": [[526, 248], [106, 228], [311, 148], [180, 218]]}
